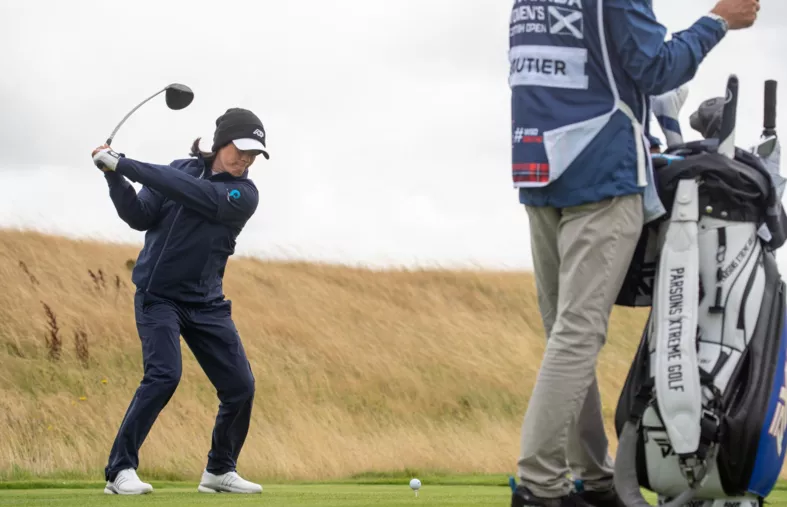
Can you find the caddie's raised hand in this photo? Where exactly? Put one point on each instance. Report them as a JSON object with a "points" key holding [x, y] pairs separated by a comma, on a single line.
{"points": [[105, 158], [666, 108], [738, 13]]}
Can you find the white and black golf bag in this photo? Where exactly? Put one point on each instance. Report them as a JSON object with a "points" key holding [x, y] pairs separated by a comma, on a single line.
{"points": [[702, 416]]}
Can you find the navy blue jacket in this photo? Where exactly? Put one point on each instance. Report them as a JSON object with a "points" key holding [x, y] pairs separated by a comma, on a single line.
{"points": [[192, 221]]}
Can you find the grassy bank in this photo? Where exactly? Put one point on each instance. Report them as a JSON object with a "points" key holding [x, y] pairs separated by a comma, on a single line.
{"points": [[357, 371]]}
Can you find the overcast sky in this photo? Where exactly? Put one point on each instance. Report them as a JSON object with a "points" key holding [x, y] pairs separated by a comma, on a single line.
{"points": [[387, 121]]}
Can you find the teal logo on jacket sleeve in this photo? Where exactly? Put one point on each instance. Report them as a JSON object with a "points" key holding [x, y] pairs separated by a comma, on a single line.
{"points": [[234, 194]]}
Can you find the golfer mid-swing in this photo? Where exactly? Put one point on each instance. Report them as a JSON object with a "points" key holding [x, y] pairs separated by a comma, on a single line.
{"points": [[192, 211]]}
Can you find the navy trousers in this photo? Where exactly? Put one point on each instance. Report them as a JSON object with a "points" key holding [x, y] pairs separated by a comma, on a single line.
{"points": [[211, 335]]}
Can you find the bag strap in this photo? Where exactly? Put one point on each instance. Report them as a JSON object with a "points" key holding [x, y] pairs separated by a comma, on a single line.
{"points": [[677, 378]]}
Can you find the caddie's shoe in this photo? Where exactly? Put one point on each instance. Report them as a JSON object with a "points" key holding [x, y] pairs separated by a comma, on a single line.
{"points": [[606, 498], [230, 482], [522, 497], [127, 483]]}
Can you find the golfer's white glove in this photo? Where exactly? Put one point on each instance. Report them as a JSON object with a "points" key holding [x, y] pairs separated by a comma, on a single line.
{"points": [[666, 108], [106, 159]]}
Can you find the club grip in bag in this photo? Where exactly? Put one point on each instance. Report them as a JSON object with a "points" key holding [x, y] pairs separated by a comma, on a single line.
{"points": [[728, 117], [769, 122]]}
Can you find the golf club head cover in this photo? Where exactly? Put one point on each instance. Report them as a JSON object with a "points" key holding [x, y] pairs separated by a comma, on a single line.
{"points": [[707, 118], [666, 108], [106, 159]]}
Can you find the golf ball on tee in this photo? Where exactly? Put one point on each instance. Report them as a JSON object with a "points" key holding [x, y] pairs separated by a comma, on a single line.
{"points": [[415, 484]]}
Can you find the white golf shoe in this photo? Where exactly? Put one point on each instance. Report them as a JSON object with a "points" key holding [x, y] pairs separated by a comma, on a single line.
{"points": [[127, 483], [230, 482]]}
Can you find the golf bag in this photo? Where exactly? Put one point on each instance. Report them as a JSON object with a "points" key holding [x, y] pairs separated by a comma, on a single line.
{"points": [[702, 416]]}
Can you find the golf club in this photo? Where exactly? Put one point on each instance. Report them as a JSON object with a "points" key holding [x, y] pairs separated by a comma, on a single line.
{"points": [[768, 139], [177, 96]]}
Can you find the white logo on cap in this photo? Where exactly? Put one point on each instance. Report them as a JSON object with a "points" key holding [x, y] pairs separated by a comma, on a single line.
{"points": [[259, 133]]}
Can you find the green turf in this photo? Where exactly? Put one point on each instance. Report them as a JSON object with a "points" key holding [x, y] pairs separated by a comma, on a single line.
{"points": [[477, 491], [333, 495]]}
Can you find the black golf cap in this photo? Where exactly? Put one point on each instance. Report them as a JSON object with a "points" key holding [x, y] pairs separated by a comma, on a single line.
{"points": [[241, 127]]}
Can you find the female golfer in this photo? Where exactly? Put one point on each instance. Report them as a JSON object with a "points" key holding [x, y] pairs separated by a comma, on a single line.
{"points": [[192, 211]]}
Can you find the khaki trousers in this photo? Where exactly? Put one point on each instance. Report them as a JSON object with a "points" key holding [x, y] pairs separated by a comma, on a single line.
{"points": [[581, 255]]}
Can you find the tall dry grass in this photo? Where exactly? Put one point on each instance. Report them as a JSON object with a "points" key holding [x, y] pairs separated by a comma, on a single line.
{"points": [[357, 371]]}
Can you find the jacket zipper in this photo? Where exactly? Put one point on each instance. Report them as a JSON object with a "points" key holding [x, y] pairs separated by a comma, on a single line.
{"points": [[163, 248]]}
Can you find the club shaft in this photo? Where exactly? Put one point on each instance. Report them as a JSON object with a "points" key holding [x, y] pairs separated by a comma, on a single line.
{"points": [[112, 135]]}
